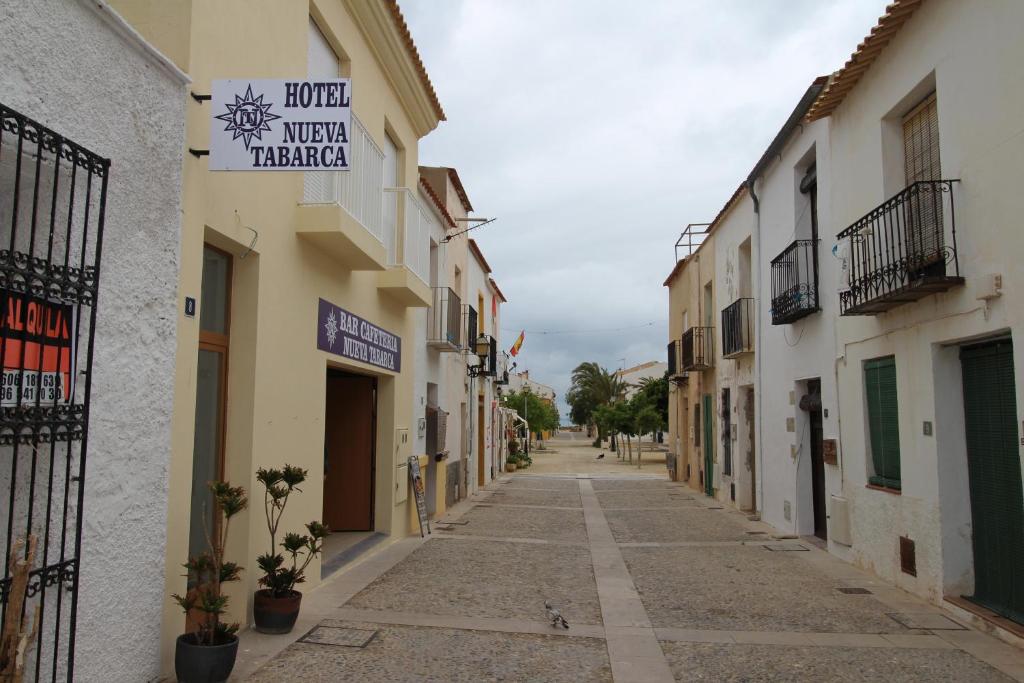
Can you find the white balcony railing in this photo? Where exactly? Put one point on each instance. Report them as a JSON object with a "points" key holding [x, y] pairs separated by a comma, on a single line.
{"points": [[359, 189], [408, 225]]}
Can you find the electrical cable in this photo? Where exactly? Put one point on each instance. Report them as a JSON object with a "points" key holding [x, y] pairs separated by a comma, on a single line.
{"points": [[591, 331]]}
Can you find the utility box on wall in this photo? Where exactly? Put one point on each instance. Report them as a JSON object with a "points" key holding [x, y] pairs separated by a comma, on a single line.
{"points": [[839, 531]]}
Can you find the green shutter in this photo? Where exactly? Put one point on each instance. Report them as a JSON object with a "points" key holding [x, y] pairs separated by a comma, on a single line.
{"points": [[883, 421]]}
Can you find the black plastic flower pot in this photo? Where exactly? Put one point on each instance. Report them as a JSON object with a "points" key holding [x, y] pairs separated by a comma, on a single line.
{"points": [[275, 615], [195, 663]]}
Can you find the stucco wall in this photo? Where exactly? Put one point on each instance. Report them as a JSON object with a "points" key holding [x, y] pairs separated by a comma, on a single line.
{"points": [[792, 353], [972, 60], [67, 68]]}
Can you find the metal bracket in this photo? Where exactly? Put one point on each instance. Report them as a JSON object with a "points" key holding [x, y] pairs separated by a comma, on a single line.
{"points": [[198, 152], [201, 98]]}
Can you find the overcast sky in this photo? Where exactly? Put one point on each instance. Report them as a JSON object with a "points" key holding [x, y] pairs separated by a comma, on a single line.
{"points": [[595, 131]]}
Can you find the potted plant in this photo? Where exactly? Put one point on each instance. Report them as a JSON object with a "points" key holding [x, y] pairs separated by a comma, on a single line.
{"points": [[207, 655], [276, 605]]}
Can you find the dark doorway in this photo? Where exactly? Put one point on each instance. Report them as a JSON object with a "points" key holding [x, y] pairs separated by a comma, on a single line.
{"points": [[726, 432], [709, 446], [817, 459], [993, 465], [480, 463], [350, 435], [751, 447]]}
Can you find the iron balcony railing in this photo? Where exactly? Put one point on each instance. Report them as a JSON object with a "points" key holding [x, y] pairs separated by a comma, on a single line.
{"points": [[902, 250], [698, 348], [357, 190], [407, 228], [738, 328], [795, 282], [444, 330], [470, 326]]}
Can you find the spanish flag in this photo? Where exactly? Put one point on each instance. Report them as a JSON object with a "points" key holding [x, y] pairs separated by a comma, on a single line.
{"points": [[519, 343]]}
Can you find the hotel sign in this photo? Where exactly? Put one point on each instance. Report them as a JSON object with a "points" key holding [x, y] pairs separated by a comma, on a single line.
{"points": [[280, 125], [349, 336]]}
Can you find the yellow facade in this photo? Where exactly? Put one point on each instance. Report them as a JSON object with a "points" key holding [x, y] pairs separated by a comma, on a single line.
{"points": [[275, 405]]}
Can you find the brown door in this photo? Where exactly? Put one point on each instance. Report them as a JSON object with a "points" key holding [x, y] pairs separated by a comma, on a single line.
{"points": [[480, 443], [349, 436]]}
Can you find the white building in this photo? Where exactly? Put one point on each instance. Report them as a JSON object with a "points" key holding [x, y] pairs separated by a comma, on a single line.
{"points": [[927, 143], [797, 309], [113, 111], [631, 377]]}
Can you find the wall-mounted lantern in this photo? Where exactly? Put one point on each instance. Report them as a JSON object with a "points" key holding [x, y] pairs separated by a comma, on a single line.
{"points": [[486, 351]]}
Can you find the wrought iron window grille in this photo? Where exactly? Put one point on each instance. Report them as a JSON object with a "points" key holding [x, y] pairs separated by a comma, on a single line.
{"points": [[738, 328], [794, 275], [52, 211]]}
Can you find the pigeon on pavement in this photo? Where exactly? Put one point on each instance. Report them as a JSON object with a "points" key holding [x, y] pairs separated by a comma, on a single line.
{"points": [[600, 456], [555, 616]]}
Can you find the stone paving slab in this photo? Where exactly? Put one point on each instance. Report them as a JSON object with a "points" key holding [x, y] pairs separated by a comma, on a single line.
{"points": [[412, 653], [643, 498], [540, 483], [781, 663], [533, 497], [748, 588], [548, 524], [638, 483], [490, 579], [687, 523]]}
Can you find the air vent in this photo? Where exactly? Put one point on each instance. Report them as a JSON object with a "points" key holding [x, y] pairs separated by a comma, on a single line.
{"points": [[908, 556]]}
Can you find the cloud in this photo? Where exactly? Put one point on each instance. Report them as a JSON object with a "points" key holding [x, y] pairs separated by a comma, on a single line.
{"points": [[596, 130]]}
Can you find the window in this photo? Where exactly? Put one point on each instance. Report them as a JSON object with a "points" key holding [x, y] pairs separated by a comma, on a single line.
{"points": [[883, 422], [322, 62], [211, 394], [921, 163]]}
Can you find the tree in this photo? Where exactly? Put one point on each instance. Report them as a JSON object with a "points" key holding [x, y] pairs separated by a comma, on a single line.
{"points": [[541, 415], [647, 420], [594, 387], [655, 394]]}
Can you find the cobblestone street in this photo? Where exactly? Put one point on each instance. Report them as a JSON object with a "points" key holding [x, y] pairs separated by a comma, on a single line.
{"points": [[657, 582]]}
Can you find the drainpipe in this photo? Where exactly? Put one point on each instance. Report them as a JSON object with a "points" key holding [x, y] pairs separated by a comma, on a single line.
{"points": [[759, 417]]}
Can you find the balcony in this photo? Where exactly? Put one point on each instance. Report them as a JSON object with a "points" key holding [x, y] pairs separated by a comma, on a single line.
{"points": [[795, 282], [341, 211], [407, 227], [698, 348], [444, 325], [738, 328], [902, 250], [675, 363]]}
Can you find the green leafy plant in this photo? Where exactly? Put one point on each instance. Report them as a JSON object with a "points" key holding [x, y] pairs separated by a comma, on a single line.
{"points": [[278, 578], [209, 571]]}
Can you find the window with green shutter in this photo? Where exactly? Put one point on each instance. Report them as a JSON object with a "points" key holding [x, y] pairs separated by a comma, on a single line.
{"points": [[883, 422]]}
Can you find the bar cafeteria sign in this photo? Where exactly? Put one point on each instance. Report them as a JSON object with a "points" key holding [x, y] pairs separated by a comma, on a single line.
{"points": [[349, 336], [280, 125]]}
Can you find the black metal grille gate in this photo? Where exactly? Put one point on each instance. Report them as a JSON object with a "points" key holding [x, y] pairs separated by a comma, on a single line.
{"points": [[52, 203]]}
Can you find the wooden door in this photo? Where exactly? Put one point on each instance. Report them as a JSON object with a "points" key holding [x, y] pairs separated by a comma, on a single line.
{"points": [[817, 461], [349, 458], [481, 480], [993, 466]]}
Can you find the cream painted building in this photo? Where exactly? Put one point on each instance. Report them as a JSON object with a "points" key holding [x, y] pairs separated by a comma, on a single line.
{"points": [[691, 356], [456, 319], [273, 259], [927, 142]]}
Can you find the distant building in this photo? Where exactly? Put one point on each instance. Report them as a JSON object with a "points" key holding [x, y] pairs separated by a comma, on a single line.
{"points": [[654, 369]]}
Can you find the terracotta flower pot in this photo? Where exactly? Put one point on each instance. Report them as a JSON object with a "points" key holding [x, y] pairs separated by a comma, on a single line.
{"points": [[203, 663], [510, 467], [275, 615]]}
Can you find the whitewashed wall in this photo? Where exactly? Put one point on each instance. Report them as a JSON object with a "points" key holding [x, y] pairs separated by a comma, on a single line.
{"points": [[805, 349], [72, 70], [973, 60]]}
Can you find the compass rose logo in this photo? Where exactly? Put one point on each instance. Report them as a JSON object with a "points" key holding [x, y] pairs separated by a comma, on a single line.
{"points": [[248, 117]]}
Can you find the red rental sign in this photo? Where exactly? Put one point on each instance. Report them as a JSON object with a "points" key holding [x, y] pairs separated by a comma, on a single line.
{"points": [[37, 342]]}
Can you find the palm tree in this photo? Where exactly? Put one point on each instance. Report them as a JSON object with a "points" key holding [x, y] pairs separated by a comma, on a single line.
{"points": [[593, 386]]}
